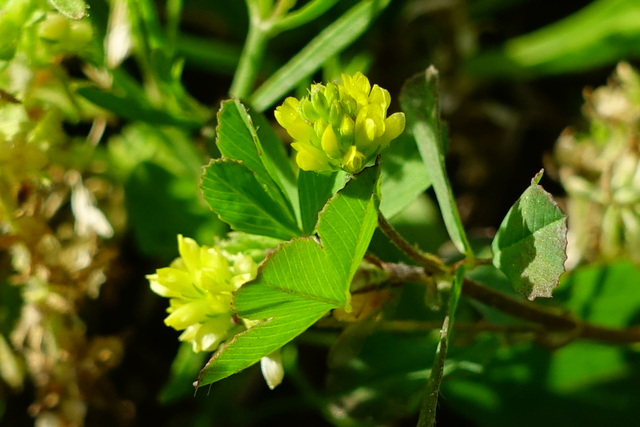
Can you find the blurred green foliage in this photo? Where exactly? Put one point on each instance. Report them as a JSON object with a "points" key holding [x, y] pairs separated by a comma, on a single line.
{"points": [[126, 97]]}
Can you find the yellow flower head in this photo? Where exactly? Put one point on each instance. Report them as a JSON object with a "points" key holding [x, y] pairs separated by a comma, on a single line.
{"points": [[199, 286], [340, 126]]}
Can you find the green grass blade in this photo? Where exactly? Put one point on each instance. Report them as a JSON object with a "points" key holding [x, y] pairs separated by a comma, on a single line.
{"points": [[428, 411], [332, 40], [419, 101]]}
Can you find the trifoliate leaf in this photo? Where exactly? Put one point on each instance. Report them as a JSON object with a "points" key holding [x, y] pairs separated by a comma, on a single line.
{"points": [[302, 280], [530, 246]]}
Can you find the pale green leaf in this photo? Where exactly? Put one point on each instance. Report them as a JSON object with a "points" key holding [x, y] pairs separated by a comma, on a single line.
{"points": [[530, 246], [74, 9], [419, 101], [295, 315], [234, 193], [302, 279]]}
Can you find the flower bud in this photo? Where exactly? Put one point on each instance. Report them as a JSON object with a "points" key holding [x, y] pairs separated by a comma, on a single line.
{"points": [[308, 111], [319, 101], [330, 143], [335, 113], [347, 127]]}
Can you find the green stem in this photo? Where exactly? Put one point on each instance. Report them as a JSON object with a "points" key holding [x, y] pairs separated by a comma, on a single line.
{"points": [[429, 404], [174, 11], [250, 60]]}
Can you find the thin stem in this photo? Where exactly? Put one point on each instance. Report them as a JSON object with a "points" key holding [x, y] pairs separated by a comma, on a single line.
{"points": [[429, 405], [263, 16], [174, 11], [411, 326], [431, 264], [549, 319], [250, 60]]}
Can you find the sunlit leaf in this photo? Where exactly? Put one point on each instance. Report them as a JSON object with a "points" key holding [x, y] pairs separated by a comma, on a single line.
{"points": [[315, 190], [530, 246], [238, 140], [302, 279], [234, 193]]}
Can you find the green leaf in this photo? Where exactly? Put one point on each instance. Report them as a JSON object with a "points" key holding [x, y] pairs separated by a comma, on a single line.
{"points": [[330, 41], [582, 374], [234, 193], [133, 108], [604, 294], [530, 246], [276, 159], [210, 55], [419, 101], [314, 189], [301, 280], [238, 140], [170, 147], [161, 204], [183, 369], [396, 367], [73, 9], [404, 176]]}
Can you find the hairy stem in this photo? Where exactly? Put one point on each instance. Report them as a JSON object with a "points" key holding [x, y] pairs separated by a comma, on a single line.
{"points": [[430, 263], [548, 319]]}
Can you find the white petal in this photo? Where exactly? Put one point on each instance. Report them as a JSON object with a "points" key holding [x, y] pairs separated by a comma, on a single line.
{"points": [[272, 369]]}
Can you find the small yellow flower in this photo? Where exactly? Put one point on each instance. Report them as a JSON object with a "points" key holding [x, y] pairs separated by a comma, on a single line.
{"points": [[199, 286], [340, 126]]}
